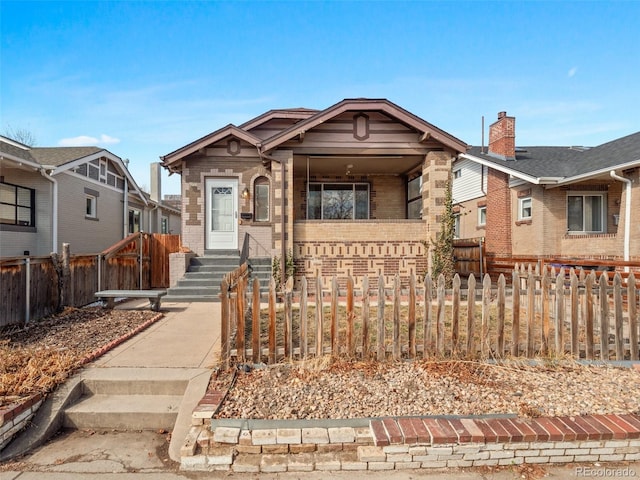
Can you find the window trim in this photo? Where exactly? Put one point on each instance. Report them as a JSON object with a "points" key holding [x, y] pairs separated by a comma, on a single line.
{"points": [[16, 205], [353, 189], [603, 212], [129, 224], [480, 210], [261, 181], [521, 201], [94, 206], [416, 199]]}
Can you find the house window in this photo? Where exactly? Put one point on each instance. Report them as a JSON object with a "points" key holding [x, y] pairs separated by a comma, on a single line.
{"points": [[338, 201], [261, 200], [164, 225], [482, 216], [414, 198], [524, 208], [17, 205], [91, 209], [585, 213], [457, 173], [134, 220], [456, 226]]}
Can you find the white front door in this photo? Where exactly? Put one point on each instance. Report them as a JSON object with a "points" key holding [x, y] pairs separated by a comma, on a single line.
{"points": [[222, 214]]}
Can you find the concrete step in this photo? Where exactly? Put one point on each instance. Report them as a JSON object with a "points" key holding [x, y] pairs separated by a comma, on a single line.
{"points": [[191, 298], [124, 412], [134, 381]]}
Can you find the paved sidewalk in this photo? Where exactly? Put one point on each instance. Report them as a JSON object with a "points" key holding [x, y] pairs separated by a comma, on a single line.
{"points": [[187, 337]]}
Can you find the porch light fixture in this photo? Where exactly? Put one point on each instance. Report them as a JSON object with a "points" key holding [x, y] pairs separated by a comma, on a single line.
{"points": [[245, 193]]}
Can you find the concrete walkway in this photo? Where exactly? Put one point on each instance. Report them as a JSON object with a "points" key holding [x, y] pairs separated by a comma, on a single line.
{"points": [[187, 337], [185, 342]]}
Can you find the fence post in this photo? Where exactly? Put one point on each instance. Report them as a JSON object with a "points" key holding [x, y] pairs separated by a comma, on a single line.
{"points": [[486, 314], [365, 318], [272, 321], [427, 320], [502, 285], [255, 321], [396, 318], [633, 320], [27, 296], [224, 326], [304, 321], [412, 316], [381, 333], [335, 347], [288, 319], [588, 315], [471, 315], [575, 350], [515, 316], [560, 313], [240, 320], [531, 314], [617, 305], [455, 314], [440, 316], [350, 339], [545, 285], [604, 317], [319, 318]]}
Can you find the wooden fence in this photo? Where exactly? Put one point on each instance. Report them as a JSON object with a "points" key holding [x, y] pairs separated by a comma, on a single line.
{"points": [[34, 287], [554, 315], [469, 257]]}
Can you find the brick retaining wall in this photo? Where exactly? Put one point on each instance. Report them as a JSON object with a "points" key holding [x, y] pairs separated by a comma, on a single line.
{"points": [[414, 443]]}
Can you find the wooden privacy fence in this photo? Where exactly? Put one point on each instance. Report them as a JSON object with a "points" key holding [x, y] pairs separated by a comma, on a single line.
{"points": [[550, 315], [34, 287]]}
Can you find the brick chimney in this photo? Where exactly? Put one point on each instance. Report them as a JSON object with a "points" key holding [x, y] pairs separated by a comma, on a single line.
{"points": [[502, 137]]}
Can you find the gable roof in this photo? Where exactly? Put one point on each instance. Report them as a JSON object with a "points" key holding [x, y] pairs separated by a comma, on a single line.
{"points": [[561, 165], [60, 159], [284, 113], [57, 156], [308, 119], [229, 130], [366, 104]]}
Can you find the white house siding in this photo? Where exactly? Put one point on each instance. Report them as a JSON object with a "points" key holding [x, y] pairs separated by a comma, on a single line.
{"points": [[470, 183], [467, 192], [14, 242], [83, 234]]}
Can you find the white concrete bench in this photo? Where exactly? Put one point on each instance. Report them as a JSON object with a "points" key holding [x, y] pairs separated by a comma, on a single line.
{"points": [[154, 296]]}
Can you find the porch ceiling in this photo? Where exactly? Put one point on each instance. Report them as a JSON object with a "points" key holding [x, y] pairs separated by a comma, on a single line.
{"points": [[356, 165]]}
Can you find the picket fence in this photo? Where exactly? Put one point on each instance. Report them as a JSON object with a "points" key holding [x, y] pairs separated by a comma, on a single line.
{"points": [[550, 314]]}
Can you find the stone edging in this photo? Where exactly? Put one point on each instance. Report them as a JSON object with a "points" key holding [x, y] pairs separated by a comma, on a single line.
{"points": [[414, 443], [15, 416]]}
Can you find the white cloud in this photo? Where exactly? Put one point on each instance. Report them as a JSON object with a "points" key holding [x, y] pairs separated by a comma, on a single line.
{"points": [[572, 72], [85, 140]]}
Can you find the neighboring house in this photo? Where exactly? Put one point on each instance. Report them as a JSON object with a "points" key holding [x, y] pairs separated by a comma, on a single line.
{"points": [[355, 189], [84, 196], [550, 201]]}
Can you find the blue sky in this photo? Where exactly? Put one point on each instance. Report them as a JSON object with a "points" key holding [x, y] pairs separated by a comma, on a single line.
{"points": [[145, 78]]}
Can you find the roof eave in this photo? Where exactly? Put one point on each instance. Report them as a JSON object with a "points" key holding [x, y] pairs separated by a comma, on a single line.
{"points": [[515, 173]]}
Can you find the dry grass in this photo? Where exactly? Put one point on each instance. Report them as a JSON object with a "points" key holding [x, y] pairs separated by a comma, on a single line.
{"points": [[38, 358]]}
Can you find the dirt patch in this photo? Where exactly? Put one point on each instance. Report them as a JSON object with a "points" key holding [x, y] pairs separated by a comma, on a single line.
{"points": [[38, 358]]}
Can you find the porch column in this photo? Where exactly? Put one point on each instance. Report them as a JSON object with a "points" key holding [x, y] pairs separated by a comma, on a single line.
{"points": [[435, 174], [283, 202]]}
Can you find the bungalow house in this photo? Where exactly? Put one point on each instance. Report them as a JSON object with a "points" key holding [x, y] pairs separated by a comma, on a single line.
{"points": [[355, 189], [569, 202], [84, 196]]}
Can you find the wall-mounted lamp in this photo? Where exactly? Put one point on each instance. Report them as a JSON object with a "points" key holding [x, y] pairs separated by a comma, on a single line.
{"points": [[245, 193]]}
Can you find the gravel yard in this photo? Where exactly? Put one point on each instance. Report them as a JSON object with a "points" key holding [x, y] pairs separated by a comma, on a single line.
{"points": [[326, 389]]}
